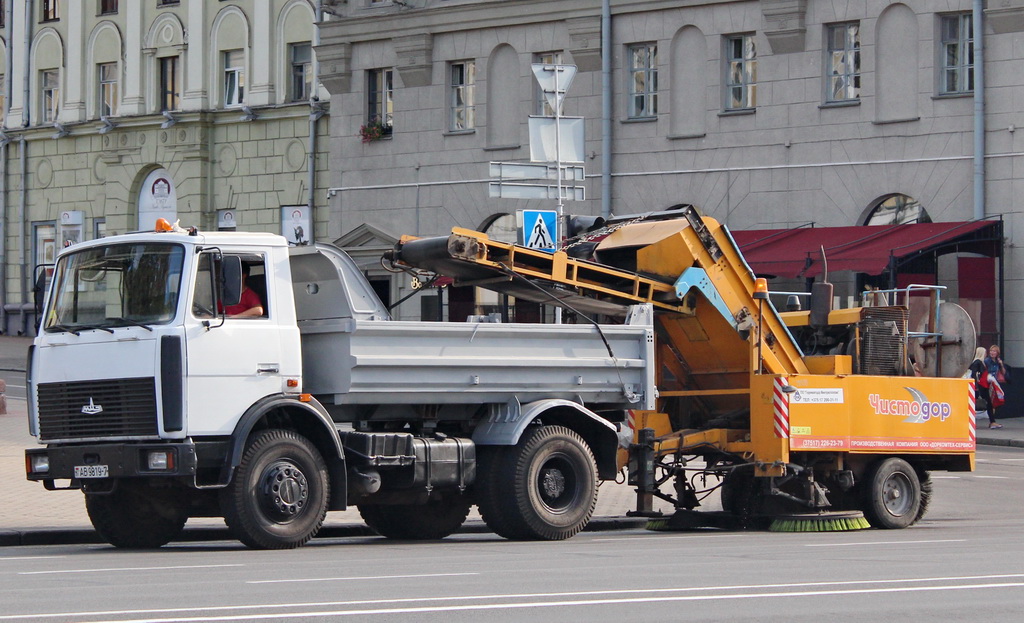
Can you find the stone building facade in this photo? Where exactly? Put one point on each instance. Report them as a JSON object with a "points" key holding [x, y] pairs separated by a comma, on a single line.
{"points": [[763, 113], [117, 112]]}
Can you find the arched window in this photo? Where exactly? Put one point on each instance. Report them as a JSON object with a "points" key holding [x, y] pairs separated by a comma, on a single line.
{"points": [[897, 209]]}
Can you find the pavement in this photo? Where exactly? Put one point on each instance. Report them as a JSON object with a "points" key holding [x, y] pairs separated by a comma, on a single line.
{"points": [[31, 515]]}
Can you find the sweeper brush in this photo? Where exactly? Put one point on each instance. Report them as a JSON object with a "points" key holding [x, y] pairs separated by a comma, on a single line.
{"points": [[844, 521]]}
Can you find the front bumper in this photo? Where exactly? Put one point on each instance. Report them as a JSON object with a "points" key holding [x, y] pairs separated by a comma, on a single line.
{"points": [[123, 460]]}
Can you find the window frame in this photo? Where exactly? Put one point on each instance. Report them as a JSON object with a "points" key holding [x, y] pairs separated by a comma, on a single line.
{"points": [[748, 69], [107, 7], [850, 80], [234, 78], [107, 106], [462, 96], [49, 96], [300, 76], [380, 97], [172, 95], [49, 11], [645, 73], [964, 67]]}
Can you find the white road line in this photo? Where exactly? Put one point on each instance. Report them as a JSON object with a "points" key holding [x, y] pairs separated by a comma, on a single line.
{"points": [[570, 604], [455, 598], [127, 569], [882, 543], [945, 477], [992, 477], [666, 537], [360, 577], [6, 558], [1011, 460]]}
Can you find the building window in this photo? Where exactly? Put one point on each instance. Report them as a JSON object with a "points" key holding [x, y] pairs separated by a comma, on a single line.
{"points": [[462, 99], [842, 62], [50, 85], [108, 7], [741, 73], [107, 73], [643, 80], [170, 84], [3, 97], [51, 11], [160, 3], [302, 72], [957, 54], [234, 77], [541, 105], [898, 209], [379, 94], [3, 13]]}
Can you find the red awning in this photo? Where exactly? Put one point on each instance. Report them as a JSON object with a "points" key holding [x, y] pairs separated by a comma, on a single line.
{"points": [[795, 253]]}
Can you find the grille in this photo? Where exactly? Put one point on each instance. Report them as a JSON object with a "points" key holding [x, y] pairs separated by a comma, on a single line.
{"points": [[882, 332], [128, 409]]}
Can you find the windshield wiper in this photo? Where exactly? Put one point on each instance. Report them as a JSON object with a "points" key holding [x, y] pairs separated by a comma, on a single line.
{"points": [[131, 322], [62, 327], [77, 329]]}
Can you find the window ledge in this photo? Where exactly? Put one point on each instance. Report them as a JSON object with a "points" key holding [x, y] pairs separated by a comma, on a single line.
{"points": [[638, 119], [953, 96], [458, 132], [841, 104], [888, 121], [679, 137], [736, 112], [501, 147]]}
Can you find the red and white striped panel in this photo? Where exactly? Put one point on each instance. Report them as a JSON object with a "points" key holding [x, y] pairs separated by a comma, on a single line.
{"points": [[780, 404], [973, 424]]}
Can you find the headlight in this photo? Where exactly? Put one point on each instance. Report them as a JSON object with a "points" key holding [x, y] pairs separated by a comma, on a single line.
{"points": [[38, 463], [161, 460]]}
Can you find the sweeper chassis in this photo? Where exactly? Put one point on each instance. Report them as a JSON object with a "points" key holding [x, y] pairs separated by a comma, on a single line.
{"points": [[814, 493]]}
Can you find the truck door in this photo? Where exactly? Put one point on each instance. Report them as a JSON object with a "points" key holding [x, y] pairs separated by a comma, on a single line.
{"points": [[233, 353]]}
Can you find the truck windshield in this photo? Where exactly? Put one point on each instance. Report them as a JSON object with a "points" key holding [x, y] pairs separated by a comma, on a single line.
{"points": [[116, 286]]}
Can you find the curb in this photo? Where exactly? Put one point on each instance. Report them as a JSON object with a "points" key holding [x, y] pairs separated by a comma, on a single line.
{"points": [[88, 536], [1012, 443]]}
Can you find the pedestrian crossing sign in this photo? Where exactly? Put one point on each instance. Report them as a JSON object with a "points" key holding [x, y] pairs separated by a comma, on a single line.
{"points": [[540, 230]]}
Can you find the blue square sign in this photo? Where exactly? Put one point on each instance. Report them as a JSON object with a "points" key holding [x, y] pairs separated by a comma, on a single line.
{"points": [[540, 230]]}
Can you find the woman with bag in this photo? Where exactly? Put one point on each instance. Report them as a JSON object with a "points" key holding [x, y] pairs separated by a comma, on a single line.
{"points": [[992, 379]]}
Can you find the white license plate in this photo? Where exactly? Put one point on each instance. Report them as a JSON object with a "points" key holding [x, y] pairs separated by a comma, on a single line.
{"points": [[91, 471]]}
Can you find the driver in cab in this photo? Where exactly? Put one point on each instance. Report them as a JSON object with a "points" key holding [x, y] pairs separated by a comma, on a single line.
{"points": [[249, 303]]}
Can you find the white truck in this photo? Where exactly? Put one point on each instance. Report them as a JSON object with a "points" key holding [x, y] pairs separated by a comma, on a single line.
{"points": [[157, 404]]}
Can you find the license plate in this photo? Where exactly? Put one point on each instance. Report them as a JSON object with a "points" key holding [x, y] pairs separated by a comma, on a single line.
{"points": [[91, 471]]}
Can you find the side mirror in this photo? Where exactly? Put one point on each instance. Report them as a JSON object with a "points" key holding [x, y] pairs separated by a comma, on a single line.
{"points": [[231, 280]]}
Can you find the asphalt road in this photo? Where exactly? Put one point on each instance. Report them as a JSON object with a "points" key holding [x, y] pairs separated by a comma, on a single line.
{"points": [[963, 562]]}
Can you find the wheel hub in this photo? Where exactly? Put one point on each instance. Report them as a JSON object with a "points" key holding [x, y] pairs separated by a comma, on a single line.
{"points": [[284, 490], [552, 483], [894, 494]]}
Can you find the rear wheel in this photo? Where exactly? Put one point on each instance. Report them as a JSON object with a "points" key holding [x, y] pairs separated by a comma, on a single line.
{"points": [[544, 488], [278, 497], [892, 494], [136, 515], [434, 520]]}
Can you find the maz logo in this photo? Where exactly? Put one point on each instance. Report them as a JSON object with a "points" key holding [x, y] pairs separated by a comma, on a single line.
{"points": [[92, 409]]}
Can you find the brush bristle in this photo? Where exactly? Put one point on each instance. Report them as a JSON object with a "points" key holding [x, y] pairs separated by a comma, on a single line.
{"points": [[820, 523]]}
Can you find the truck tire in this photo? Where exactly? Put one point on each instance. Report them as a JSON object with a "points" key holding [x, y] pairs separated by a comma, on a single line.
{"points": [[892, 494], [137, 516], [278, 496], [434, 520], [544, 488]]}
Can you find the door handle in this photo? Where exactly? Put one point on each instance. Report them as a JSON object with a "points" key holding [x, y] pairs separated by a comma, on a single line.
{"points": [[267, 368]]}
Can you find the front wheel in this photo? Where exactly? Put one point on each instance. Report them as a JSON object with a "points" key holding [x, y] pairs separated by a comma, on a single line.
{"points": [[892, 494], [137, 516], [544, 488], [278, 497]]}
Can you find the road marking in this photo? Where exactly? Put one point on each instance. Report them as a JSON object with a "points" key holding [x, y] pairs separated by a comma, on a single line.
{"points": [[882, 543], [6, 558], [665, 537], [992, 477], [945, 477], [126, 569], [365, 602], [1011, 460], [361, 577], [568, 604]]}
